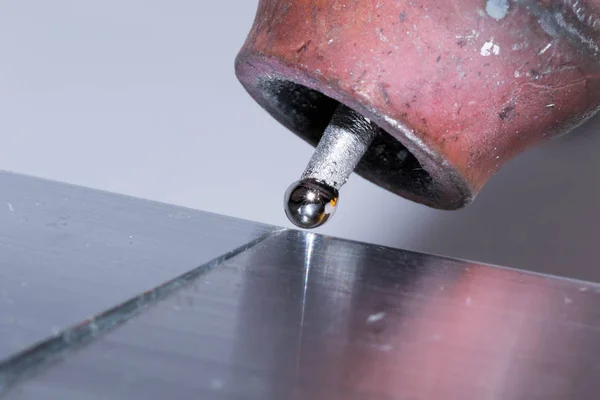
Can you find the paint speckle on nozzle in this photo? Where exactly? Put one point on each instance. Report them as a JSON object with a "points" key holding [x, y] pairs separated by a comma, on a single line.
{"points": [[490, 48], [497, 9]]}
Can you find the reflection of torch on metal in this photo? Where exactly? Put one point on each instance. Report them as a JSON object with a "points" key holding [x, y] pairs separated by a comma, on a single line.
{"points": [[436, 96]]}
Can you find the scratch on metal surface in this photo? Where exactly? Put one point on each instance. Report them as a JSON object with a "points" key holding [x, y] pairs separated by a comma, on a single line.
{"points": [[310, 244], [30, 361]]}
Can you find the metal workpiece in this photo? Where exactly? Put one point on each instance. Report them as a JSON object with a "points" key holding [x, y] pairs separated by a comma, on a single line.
{"points": [[109, 297], [68, 253], [312, 201]]}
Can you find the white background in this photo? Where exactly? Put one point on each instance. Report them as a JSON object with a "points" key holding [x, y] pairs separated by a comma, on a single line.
{"points": [[139, 97]]}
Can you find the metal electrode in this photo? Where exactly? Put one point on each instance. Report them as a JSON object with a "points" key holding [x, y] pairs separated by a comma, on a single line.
{"points": [[312, 201]]}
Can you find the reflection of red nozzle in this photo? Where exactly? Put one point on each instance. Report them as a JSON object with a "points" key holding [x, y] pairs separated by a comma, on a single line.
{"points": [[485, 332], [463, 86]]}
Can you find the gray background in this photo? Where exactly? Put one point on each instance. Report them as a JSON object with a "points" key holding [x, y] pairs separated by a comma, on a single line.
{"points": [[139, 97]]}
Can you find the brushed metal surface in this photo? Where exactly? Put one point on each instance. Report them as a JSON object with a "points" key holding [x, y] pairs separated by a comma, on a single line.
{"points": [[67, 253], [304, 316]]}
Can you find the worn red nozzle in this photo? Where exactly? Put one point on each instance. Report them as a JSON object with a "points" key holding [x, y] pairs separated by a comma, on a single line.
{"points": [[457, 88]]}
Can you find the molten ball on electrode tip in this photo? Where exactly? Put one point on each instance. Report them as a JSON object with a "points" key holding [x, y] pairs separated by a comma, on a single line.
{"points": [[311, 201], [310, 204]]}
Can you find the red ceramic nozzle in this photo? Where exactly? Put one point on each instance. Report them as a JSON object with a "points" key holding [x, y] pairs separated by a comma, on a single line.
{"points": [[458, 88]]}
